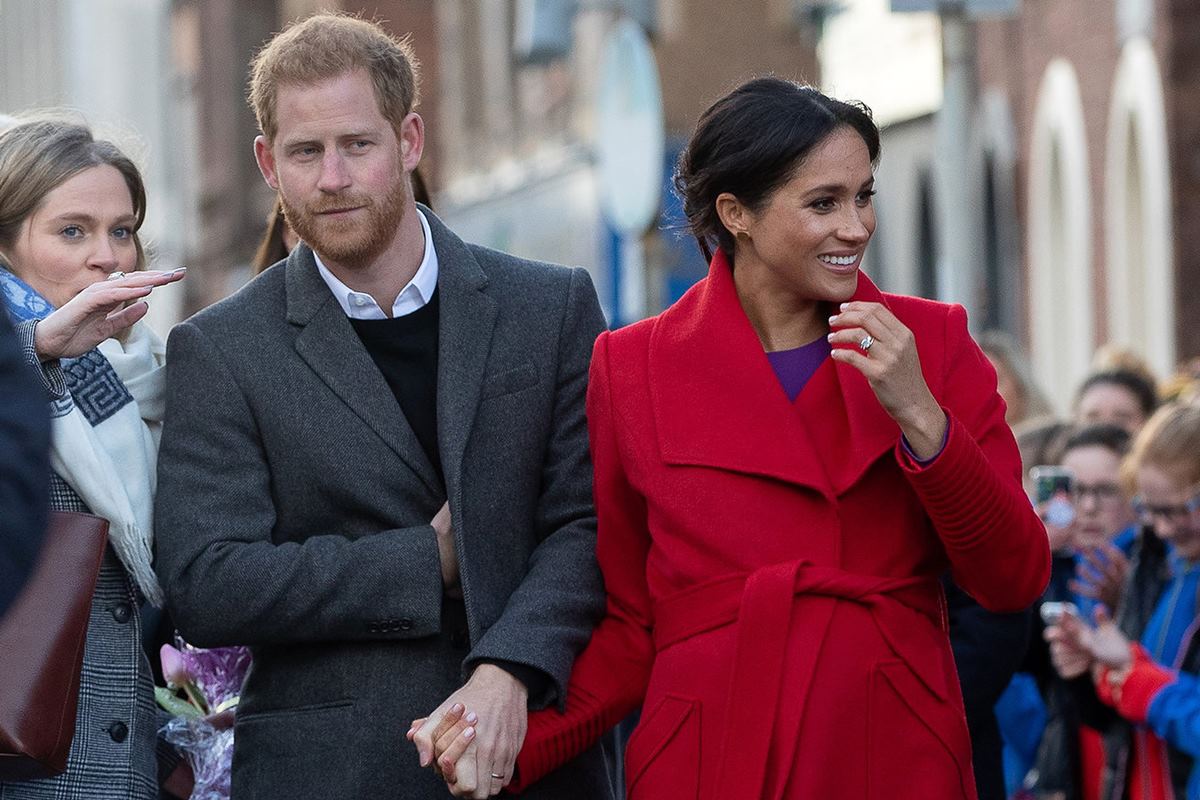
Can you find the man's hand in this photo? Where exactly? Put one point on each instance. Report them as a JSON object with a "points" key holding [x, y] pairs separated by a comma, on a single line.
{"points": [[443, 527], [499, 702]]}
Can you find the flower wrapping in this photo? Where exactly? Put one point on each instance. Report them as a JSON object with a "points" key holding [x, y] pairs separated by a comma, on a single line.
{"points": [[202, 726]]}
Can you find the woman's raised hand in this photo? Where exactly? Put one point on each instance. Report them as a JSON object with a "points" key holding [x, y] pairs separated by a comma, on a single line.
{"points": [[884, 350], [101, 311]]}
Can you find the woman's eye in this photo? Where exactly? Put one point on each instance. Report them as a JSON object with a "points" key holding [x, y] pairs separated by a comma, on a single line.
{"points": [[865, 197], [123, 232], [824, 204], [72, 232]]}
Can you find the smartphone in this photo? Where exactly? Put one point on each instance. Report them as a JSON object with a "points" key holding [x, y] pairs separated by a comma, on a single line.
{"points": [[1052, 494], [1050, 482], [1052, 611]]}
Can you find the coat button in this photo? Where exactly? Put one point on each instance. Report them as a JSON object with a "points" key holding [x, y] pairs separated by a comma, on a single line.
{"points": [[118, 731], [121, 612], [406, 624]]}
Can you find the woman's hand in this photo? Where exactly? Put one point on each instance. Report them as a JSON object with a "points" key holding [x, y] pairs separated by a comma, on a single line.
{"points": [[891, 365], [97, 313]]}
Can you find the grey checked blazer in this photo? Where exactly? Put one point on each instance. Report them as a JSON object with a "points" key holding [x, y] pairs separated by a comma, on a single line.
{"points": [[114, 748], [294, 503]]}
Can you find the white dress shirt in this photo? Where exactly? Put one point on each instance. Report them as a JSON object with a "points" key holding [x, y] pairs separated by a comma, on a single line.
{"points": [[415, 295]]}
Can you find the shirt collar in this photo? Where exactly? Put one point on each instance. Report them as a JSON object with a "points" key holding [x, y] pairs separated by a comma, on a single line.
{"points": [[418, 292]]}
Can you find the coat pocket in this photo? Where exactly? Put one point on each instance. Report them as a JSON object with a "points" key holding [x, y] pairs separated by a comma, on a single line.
{"points": [[662, 758], [509, 381], [918, 744], [303, 753]]}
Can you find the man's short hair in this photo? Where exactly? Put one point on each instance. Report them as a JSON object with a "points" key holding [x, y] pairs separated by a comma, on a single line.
{"points": [[326, 45]]}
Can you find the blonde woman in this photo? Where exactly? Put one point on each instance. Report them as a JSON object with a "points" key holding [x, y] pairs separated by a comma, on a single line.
{"points": [[74, 282]]}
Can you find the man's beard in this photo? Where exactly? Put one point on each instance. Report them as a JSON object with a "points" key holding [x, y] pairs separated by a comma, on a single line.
{"points": [[354, 242]]}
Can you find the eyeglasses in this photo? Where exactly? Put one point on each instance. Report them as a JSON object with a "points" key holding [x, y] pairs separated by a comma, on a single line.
{"points": [[1100, 492], [1148, 513]]}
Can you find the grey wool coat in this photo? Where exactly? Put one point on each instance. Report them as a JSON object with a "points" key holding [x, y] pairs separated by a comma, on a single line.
{"points": [[294, 503]]}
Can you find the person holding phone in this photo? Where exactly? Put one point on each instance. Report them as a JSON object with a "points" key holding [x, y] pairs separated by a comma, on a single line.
{"points": [[1149, 746], [786, 462], [73, 278], [1089, 568]]}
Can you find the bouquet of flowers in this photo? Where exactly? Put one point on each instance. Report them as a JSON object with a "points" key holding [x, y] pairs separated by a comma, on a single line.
{"points": [[202, 692]]}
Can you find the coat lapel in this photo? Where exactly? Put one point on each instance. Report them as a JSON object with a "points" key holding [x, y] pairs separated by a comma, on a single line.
{"points": [[331, 348], [716, 399], [718, 403], [468, 319], [843, 416]]}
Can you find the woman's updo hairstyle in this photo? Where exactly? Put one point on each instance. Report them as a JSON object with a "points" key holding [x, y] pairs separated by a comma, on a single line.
{"points": [[750, 142]]}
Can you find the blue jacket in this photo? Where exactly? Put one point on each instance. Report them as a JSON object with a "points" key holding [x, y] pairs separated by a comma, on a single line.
{"points": [[24, 464]]}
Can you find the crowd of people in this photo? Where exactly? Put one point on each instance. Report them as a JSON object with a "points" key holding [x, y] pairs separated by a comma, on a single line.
{"points": [[786, 521], [1121, 607]]}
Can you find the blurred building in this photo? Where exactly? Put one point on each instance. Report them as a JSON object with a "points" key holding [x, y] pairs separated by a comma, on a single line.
{"points": [[1075, 207], [521, 88], [111, 64]]}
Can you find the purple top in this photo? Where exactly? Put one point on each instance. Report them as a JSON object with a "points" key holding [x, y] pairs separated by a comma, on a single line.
{"points": [[794, 367]]}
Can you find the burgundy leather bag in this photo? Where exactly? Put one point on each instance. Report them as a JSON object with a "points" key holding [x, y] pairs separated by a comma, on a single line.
{"points": [[41, 648]]}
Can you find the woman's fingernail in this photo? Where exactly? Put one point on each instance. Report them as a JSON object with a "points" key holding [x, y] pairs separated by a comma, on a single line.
{"points": [[833, 319], [843, 306], [471, 718], [829, 337], [469, 733], [456, 708]]}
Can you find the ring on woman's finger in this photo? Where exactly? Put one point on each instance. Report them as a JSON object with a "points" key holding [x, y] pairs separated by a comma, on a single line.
{"points": [[865, 343], [497, 777], [115, 276]]}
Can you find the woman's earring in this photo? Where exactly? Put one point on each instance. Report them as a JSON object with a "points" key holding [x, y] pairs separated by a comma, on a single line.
{"points": [[743, 235]]}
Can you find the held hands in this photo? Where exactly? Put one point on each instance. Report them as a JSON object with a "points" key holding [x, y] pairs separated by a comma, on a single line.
{"points": [[469, 749], [97, 313], [891, 365]]}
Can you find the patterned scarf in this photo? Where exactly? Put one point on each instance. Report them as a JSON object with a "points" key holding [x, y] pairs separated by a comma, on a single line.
{"points": [[106, 431]]}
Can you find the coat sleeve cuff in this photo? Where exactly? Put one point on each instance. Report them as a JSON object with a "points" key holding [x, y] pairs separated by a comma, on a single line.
{"points": [[554, 738], [53, 380], [1145, 680]]}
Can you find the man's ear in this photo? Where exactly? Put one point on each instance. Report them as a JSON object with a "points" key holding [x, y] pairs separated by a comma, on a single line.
{"points": [[266, 161], [411, 137]]}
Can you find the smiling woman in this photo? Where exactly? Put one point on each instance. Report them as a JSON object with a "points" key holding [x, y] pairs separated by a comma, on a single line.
{"points": [[781, 478], [73, 279]]}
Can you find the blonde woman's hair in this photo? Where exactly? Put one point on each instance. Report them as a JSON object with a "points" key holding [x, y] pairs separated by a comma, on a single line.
{"points": [[1169, 441], [326, 45], [38, 156]]}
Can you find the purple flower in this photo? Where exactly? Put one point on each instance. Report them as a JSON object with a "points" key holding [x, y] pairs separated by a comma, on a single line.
{"points": [[174, 666]]}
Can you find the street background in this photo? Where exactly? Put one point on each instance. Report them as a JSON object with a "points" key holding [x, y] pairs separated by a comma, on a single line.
{"points": [[1041, 158]]}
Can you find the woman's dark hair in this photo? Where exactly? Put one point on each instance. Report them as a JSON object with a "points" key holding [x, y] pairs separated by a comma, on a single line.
{"points": [[749, 144], [1113, 438], [1141, 388]]}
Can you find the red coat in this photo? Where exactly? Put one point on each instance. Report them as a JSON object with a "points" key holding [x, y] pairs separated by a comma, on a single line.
{"points": [[772, 567]]}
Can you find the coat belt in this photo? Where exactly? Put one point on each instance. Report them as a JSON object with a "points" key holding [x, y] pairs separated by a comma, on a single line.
{"points": [[907, 611]]}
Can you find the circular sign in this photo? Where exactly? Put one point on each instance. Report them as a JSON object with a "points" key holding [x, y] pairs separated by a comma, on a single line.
{"points": [[629, 129]]}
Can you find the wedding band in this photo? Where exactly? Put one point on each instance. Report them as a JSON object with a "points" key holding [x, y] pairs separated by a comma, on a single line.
{"points": [[115, 276], [497, 777], [866, 343]]}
